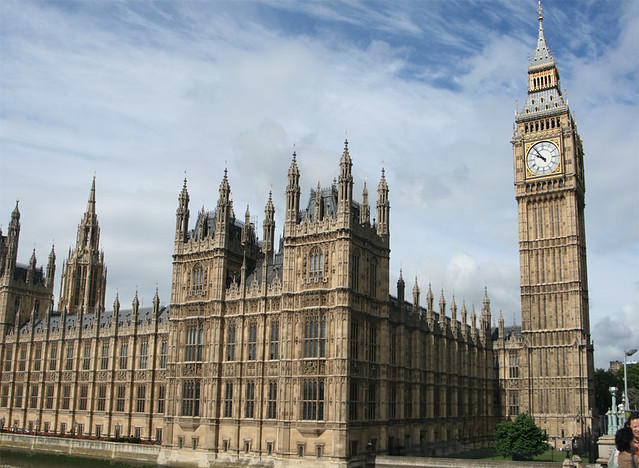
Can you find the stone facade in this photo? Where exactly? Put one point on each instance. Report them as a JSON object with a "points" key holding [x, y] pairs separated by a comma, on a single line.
{"points": [[547, 366], [299, 352]]}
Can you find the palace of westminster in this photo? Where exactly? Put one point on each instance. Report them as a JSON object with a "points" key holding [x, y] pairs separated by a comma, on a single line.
{"points": [[299, 352]]}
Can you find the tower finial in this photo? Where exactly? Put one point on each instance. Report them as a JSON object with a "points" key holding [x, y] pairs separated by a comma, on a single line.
{"points": [[540, 10]]}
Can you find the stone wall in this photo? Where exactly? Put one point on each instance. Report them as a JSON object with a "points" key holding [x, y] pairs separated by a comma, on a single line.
{"points": [[132, 453]]}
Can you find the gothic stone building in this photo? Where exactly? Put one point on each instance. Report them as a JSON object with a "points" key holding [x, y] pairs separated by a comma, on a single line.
{"points": [[300, 354], [547, 368]]}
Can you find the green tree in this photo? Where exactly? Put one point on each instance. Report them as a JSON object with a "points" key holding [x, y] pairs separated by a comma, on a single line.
{"points": [[520, 439], [604, 379], [633, 383]]}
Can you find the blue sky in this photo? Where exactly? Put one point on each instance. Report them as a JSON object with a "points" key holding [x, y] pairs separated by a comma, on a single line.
{"points": [[140, 92]]}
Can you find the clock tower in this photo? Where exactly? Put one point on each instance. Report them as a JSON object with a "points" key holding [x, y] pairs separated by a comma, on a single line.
{"points": [[556, 371]]}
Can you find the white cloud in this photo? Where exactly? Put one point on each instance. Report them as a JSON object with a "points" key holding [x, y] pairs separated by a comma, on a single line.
{"points": [[139, 92]]}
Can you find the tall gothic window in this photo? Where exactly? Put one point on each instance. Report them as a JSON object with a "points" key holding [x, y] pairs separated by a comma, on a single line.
{"points": [[198, 278], [17, 396], [38, 358], [316, 263], [53, 356], [22, 361], [69, 362], [4, 399], [315, 337], [249, 404], [66, 396], [372, 343], [119, 398], [313, 400], [124, 352], [274, 345], [372, 278], [193, 348], [141, 399], [392, 400], [355, 272], [49, 397], [230, 343], [371, 400], [353, 390], [163, 351], [86, 358], [8, 358], [271, 412], [144, 354], [228, 400], [251, 351], [104, 361], [513, 369], [191, 398], [102, 391], [33, 403], [513, 404], [408, 402], [161, 398], [84, 395], [354, 339]]}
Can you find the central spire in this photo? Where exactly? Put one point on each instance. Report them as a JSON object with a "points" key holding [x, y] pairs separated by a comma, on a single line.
{"points": [[542, 54]]}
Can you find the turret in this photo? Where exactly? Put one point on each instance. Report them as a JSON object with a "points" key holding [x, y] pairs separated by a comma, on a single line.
{"points": [[83, 282], [31, 269], [484, 320], [293, 192], [416, 297], [51, 270], [13, 236], [442, 307], [136, 309], [88, 238], [268, 244], [430, 313], [401, 286], [345, 182], [182, 215], [502, 336], [464, 320], [365, 213], [318, 204], [246, 231], [224, 203], [383, 208], [473, 323], [453, 315]]}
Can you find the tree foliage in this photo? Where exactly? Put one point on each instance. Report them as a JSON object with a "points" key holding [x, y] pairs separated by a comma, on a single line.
{"points": [[604, 379], [520, 439]]}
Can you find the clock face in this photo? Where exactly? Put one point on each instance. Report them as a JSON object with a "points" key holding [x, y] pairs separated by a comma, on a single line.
{"points": [[543, 158]]}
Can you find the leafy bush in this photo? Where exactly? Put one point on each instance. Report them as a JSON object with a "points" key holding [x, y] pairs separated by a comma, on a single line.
{"points": [[520, 439]]}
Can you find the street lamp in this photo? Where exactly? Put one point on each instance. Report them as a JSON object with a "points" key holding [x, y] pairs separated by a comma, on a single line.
{"points": [[627, 353]]}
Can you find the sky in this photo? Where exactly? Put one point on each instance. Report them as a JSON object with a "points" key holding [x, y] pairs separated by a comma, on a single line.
{"points": [[142, 94]]}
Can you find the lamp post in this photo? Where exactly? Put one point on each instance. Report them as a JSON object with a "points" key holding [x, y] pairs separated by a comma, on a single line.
{"points": [[626, 354]]}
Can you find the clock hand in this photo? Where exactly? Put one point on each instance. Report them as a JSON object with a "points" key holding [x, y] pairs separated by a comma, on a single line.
{"points": [[540, 156]]}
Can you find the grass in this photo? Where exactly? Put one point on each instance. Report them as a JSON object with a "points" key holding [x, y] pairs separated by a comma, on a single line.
{"points": [[491, 454], [38, 460]]}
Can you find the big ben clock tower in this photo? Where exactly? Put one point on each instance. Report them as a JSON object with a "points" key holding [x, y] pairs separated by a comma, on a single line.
{"points": [[555, 379]]}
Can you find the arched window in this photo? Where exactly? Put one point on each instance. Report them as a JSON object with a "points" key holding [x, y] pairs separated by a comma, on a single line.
{"points": [[316, 263], [315, 337], [198, 278], [193, 348]]}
